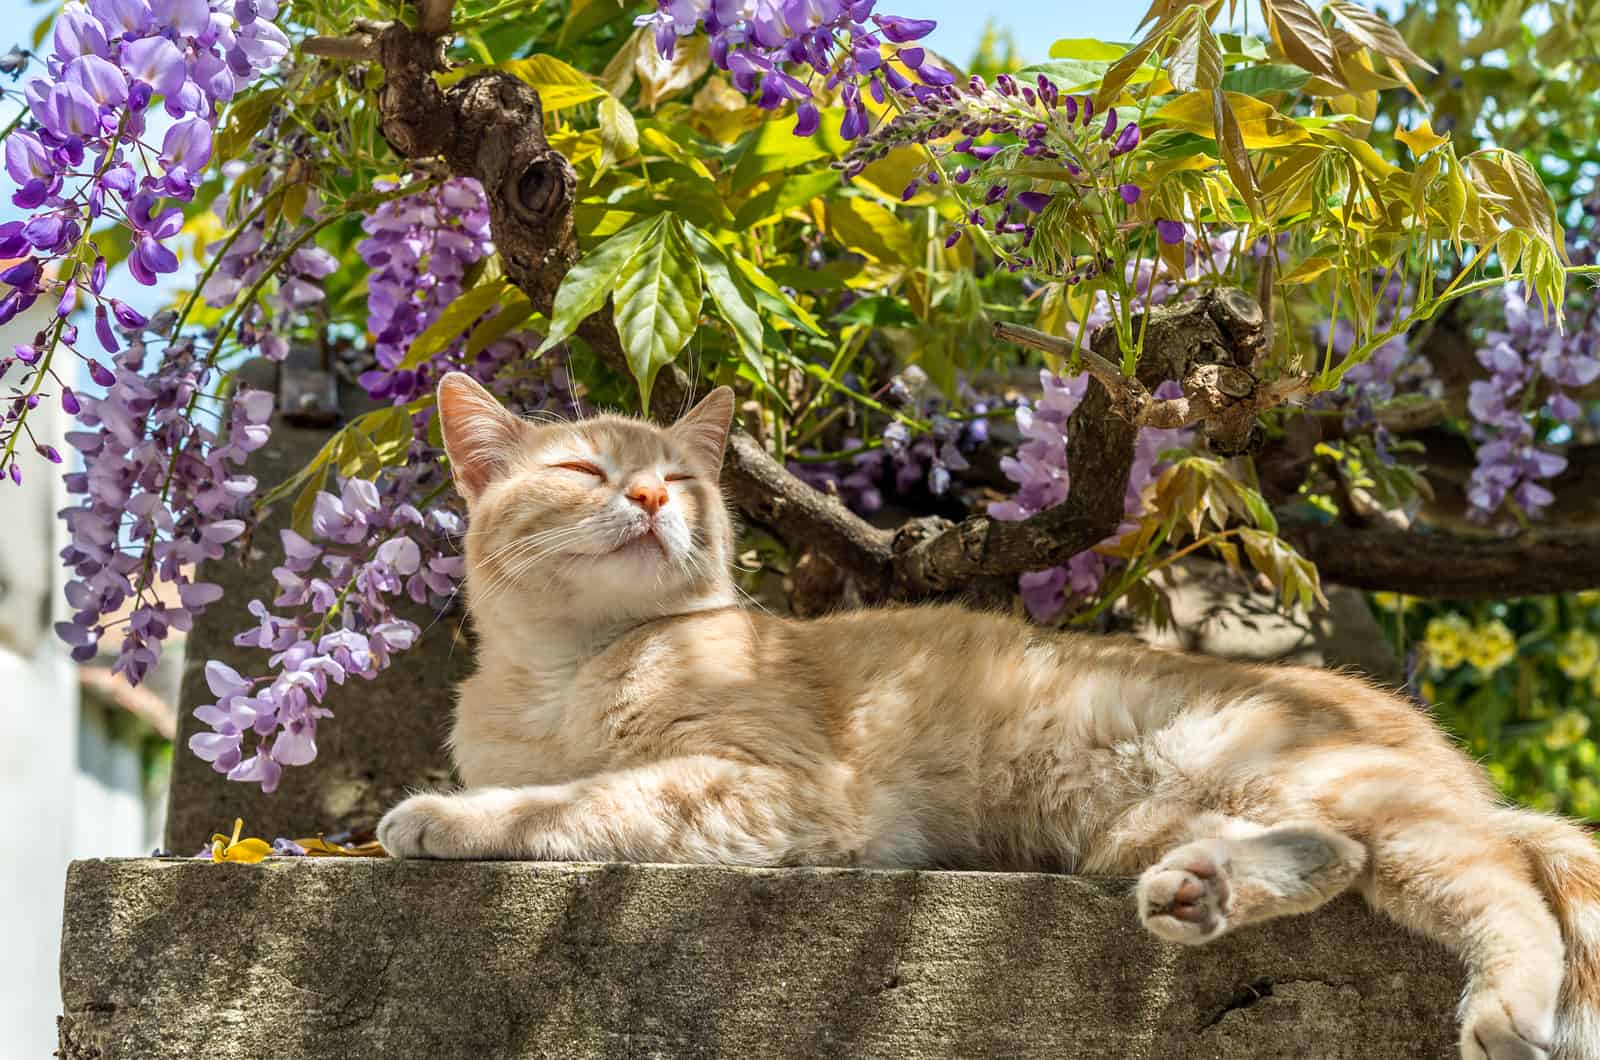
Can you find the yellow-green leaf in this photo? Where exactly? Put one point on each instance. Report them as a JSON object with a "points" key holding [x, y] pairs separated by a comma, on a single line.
{"points": [[870, 229], [1260, 124], [619, 136], [1087, 48], [1307, 271], [559, 85], [456, 318], [587, 285], [1421, 139]]}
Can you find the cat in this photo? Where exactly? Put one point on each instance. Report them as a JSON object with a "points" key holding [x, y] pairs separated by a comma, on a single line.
{"points": [[627, 707]]}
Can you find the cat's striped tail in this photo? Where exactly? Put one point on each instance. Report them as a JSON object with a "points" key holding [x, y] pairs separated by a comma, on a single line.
{"points": [[1566, 862]]}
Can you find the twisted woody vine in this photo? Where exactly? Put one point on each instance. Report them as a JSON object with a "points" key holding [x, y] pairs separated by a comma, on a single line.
{"points": [[1296, 288]]}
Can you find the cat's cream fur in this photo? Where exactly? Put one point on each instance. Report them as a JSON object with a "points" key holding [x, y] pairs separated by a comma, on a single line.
{"points": [[626, 707]]}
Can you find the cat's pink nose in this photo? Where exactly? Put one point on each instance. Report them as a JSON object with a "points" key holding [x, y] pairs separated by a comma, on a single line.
{"points": [[651, 496]]}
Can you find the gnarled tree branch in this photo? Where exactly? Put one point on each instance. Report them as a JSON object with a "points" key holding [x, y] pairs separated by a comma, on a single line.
{"points": [[1449, 566]]}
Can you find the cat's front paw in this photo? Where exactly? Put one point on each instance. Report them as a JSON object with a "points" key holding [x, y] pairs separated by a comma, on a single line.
{"points": [[437, 826], [1185, 897]]}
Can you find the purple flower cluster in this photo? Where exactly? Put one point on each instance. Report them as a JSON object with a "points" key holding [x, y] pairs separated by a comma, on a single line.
{"points": [[1529, 357], [251, 249], [160, 492], [373, 549], [74, 163], [1040, 471], [903, 464], [378, 544], [419, 248], [842, 41]]}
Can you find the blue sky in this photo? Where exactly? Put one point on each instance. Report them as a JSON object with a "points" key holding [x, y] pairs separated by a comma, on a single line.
{"points": [[1033, 25]]}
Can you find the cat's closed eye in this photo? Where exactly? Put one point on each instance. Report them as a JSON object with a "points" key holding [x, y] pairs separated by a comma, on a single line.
{"points": [[583, 467], [679, 476]]}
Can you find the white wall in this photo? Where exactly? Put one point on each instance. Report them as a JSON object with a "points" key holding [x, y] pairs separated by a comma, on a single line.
{"points": [[67, 789]]}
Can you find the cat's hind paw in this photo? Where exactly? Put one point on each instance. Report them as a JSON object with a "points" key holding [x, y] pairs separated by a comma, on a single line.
{"points": [[1185, 897]]}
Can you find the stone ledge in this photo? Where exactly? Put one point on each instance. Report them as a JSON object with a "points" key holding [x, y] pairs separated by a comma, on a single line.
{"points": [[364, 958]]}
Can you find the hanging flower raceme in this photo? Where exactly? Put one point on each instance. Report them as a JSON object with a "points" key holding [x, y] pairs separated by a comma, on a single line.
{"points": [[1007, 123], [371, 550], [159, 490], [900, 464], [419, 248], [1527, 403], [376, 545], [1530, 357], [841, 41], [1040, 471]]}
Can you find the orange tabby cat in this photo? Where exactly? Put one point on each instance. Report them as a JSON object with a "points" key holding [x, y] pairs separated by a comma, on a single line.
{"points": [[627, 708]]}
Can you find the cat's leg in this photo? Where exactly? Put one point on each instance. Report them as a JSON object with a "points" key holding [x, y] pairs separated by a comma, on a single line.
{"points": [[697, 809], [1208, 886], [1462, 880]]}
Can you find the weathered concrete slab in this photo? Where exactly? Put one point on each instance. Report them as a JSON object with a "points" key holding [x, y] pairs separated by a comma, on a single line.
{"points": [[297, 959]]}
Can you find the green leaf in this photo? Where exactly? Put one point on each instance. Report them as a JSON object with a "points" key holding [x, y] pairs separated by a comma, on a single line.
{"points": [[733, 299], [784, 194], [590, 282], [774, 148], [585, 16], [658, 301], [513, 314], [245, 118], [1196, 60], [1075, 75], [1260, 80], [457, 317], [619, 136], [773, 297], [560, 86], [868, 228], [882, 311], [1087, 48]]}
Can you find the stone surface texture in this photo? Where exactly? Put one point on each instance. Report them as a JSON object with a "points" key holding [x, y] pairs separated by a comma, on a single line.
{"points": [[301, 958]]}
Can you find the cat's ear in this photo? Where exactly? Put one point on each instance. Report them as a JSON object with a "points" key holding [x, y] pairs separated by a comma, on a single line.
{"points": [[479, 434], [704, 428]]}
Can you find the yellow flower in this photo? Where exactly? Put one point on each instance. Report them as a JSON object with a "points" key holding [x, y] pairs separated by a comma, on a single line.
{"points": [[225, 848], [1392, 601], [1580, 651], [1568, 728], [1491, 646], [1446, 641]]}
